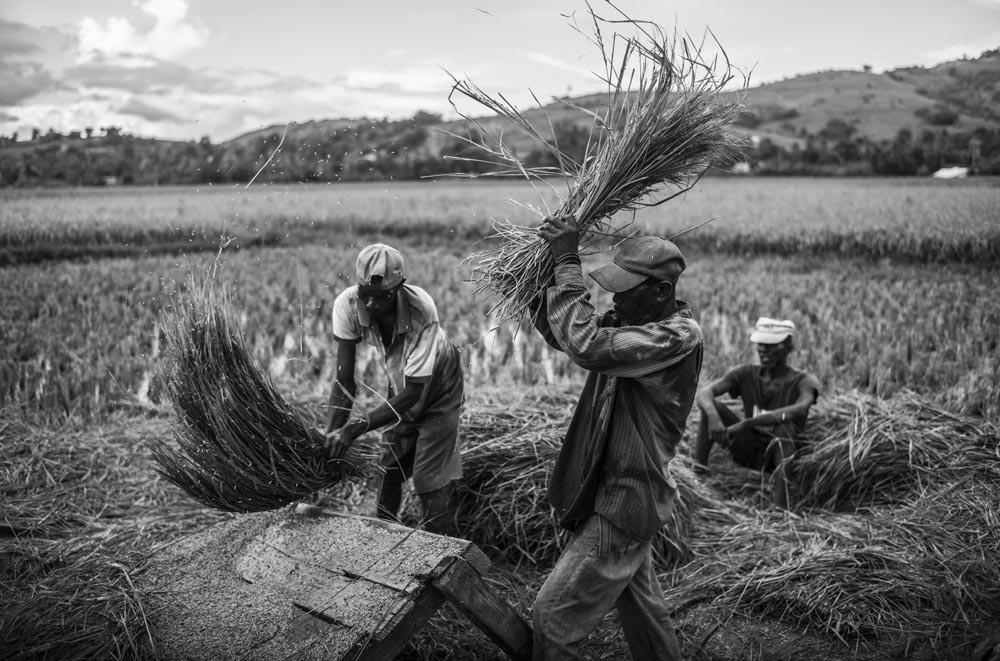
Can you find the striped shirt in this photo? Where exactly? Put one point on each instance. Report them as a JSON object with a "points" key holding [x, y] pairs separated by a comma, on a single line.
{"points": [[631, 413]]}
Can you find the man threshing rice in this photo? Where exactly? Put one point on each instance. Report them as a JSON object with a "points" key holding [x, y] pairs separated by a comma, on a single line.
{"points": [[426, 390], [776, 400], [611, 484]]}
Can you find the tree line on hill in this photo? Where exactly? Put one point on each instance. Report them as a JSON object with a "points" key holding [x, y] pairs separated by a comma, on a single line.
{"points": [[415, 148], [837, 150]]}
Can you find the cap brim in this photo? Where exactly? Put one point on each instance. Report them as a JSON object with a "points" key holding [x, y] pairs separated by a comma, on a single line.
{"points": [[383, 285], [615, 279], [764, 337]]}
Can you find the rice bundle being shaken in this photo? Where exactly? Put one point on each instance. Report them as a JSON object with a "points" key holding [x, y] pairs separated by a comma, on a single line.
{"points": [[240, 447], [665, 123]]}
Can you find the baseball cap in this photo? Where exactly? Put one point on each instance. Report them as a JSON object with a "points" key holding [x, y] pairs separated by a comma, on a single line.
{"points": [[635, 260], [771, 331], [379, 259]]}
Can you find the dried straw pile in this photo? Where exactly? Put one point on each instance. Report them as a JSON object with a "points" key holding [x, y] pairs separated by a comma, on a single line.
{"points": [[665, 123], [912, 555], [508, 453], [81, 510], [868, 451], [240, 446], [926, 570]]}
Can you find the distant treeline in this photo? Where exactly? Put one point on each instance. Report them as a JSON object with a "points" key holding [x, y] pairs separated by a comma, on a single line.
{"points": [[414, 148], [838, 150]]}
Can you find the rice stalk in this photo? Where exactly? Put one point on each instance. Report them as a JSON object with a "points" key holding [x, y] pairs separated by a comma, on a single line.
{"points": [[665, 123], [239, 446]]}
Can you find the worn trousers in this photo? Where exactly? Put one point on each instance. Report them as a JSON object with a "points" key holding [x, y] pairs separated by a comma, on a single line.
{"points": [[600, 568]]}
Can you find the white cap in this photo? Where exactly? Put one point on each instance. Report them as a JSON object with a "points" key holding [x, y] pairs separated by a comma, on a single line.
{"points": [[772, 331], [379, 260]]}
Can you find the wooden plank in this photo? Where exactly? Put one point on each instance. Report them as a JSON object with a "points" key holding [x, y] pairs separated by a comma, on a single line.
{"points": [[310, 585], [397, 631], [464, 586]]}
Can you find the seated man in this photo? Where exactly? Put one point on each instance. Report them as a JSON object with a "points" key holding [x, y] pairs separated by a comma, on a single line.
{"points": [[776, 400]]}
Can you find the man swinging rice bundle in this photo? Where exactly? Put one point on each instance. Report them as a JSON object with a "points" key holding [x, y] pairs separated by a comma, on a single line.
{"points": [[611, 484]]}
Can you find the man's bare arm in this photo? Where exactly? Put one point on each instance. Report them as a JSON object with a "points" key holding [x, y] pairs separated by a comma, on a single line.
{"points": [[344, 388]]}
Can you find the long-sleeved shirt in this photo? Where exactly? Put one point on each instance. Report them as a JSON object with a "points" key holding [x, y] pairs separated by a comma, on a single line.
{"points": [[632, 410]]}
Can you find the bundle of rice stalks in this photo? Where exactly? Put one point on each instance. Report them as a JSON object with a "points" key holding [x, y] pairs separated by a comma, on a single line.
{"points": [[665, 123], [869, 451], [240, 446]]}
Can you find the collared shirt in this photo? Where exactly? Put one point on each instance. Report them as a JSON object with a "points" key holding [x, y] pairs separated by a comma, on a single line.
{"points": [[631, 413], [419, 349]]}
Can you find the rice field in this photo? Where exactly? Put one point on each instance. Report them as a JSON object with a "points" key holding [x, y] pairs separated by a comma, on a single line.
{"points": [[891, 282], [913, 220]]}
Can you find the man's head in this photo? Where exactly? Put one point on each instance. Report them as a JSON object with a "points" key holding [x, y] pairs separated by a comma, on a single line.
{"points": [[379, 272], [642, 275], [773, 340]]}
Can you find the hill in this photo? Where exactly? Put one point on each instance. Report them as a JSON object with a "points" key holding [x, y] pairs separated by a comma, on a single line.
{"points": [[959, 97], [877, 106], [906, 121]]}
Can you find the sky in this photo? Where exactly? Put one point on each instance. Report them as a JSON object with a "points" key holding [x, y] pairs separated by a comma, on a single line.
{"points": [[186, 69]]}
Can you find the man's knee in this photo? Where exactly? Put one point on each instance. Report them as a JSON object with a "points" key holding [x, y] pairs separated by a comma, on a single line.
{"points": [[550, 633]]}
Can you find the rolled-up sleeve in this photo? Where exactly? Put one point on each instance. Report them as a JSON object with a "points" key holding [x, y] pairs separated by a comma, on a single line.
{"points": [[627, 351], [344, 317], [422, 353]]}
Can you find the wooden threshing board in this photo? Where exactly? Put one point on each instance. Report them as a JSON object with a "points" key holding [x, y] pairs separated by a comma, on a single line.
{"points": [[314, 584]]}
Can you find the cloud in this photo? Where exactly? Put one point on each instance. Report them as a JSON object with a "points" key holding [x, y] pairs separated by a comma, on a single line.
{"points": [[147, 111], [20, 81], [30, 59], [556, 63], [7, 117], [418, 80], [971, 48], [16, 40], [171, 35], [153, 78]]}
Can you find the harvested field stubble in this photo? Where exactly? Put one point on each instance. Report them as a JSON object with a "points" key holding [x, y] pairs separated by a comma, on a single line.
{"points": [[82, 510], [920, 568]]}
